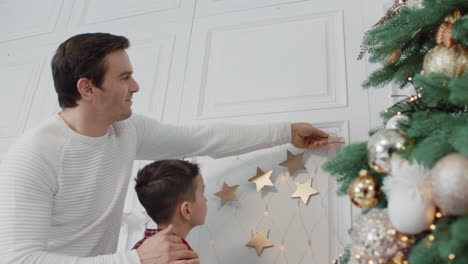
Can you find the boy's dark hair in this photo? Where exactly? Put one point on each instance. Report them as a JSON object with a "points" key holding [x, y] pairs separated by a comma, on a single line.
{"points": [[82, 56], [161, 185]]}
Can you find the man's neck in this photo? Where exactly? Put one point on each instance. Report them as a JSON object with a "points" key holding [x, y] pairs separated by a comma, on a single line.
{"points": [[180, 230], [84, 122]]}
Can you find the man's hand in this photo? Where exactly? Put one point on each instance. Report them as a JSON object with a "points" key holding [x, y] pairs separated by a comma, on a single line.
{"points": [[163, 248], [306, 136]]}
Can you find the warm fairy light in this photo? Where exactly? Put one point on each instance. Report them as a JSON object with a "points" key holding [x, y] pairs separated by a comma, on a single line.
{"points": [[404, 238], [370, 262], [432, 227], [410, 79], [431, 237], [438, 214], [451, 256], [266, 212], [391, 232], [386, 110], [358, 256], [398, 113], [282, 247], [334, 262], [212, 242]]}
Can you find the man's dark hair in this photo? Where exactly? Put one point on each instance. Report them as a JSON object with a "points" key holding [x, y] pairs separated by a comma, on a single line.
{"points": [[82, 56], [161, 185]]}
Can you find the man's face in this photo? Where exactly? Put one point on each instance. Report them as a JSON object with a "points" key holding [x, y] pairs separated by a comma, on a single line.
{"points": [[114, 98], [199, 205]]}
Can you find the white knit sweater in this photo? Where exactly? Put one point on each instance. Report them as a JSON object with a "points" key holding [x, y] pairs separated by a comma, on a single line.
{"points": [[62, 193]]}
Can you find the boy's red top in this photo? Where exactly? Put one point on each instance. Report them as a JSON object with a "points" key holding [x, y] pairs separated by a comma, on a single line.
{"points": [[150, 232]]}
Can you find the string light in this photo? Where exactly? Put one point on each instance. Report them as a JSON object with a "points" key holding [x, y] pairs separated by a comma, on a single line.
{"points": [[284, 178], [451, 256], [410, 78], [438, 215], [282, 247], [431, 237], [266, 212], [432, 227]]}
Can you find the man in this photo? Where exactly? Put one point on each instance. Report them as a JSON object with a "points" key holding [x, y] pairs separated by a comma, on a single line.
{"points": [[63, 184]]}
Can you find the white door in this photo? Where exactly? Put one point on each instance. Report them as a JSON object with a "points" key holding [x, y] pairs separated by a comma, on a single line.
{"points": [[198, 61]]}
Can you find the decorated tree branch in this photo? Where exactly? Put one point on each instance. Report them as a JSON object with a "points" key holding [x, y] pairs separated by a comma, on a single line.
{"points": [[411, 176]]}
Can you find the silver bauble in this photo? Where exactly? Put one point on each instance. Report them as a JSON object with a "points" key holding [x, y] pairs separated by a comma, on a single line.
{"points": [[382, 145], [375, 240], [392, 123], [449, 181]]}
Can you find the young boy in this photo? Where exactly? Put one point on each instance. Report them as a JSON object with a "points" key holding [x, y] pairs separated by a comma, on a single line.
{"points": [[171, 191]]}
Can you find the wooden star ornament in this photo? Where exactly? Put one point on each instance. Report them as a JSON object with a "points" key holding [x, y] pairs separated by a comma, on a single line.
{"points": [[227, 193], [304, 191], [293, 163], [259, 241], [262, 179]]}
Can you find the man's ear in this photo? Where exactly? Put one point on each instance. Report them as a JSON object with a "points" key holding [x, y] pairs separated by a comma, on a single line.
{"points": [[85, 88], [185, 210]]}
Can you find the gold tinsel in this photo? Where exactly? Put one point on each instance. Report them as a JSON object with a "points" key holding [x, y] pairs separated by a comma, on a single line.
{"points": [[444, 33]]}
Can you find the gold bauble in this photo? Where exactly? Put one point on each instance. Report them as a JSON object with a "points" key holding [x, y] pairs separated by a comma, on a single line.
{"points": [[449, 61], [364, 191], [392, 58]]}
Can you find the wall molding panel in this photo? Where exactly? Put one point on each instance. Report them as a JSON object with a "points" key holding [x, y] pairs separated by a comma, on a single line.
{"points": [[243, 71], [16, 25]]}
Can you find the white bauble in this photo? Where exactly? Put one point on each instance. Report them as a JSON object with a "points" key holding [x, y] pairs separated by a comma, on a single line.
{"points": [[449, 179], [392, 123], [410, 207], [410, 212]]}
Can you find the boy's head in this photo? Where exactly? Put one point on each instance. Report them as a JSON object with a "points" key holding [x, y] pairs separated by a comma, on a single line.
{"points": [[172, 188]]}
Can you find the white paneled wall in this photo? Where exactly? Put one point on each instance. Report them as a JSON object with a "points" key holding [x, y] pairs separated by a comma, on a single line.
{"points": [[197, 61]]}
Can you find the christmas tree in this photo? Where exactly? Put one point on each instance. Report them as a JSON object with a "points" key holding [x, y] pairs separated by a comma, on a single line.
{"points": [[411, 176]]}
